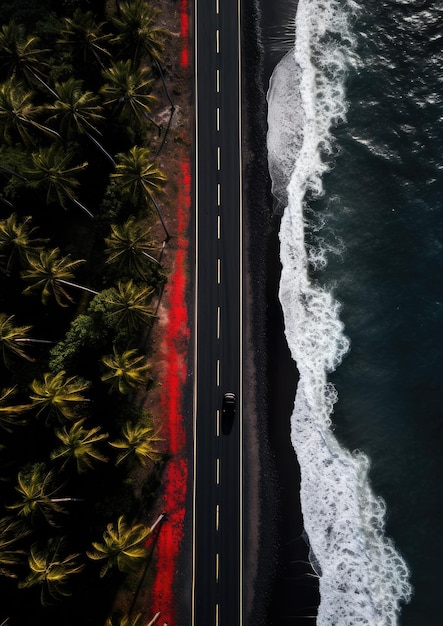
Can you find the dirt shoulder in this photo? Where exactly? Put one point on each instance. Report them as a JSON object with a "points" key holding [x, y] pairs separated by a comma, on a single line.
{"points": [[154, 593]]}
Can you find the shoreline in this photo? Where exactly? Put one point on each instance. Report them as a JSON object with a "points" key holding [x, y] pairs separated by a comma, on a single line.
{"points": [[283, 553]]}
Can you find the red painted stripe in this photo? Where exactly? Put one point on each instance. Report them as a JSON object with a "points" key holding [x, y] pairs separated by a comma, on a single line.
{"points": [[184, 31], [175, 348], [175, 344]]}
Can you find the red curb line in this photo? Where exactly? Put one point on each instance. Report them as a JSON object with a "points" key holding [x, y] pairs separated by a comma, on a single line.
{"points": [[175, 344], [176, 340]]}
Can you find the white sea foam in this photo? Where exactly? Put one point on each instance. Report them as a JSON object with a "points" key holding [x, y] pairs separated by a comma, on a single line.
{"points": [[285, 136], [363, 579]]}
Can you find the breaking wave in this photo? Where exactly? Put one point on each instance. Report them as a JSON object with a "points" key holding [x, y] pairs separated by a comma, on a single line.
{"points": [[362, 578]]}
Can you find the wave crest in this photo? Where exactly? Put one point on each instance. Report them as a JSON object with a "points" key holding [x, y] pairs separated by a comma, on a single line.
{"points": [[363, 579]]}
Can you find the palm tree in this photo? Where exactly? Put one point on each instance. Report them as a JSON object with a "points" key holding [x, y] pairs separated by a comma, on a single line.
{"points": [[85, 36], [59, 395], [127, 90], [80, 444], [37, 491], [17, 241], [130, 247], [125, 371], [137, 177], [50, 273], [77, 112], [50, 571], [140, 442], [123, 546], [11, 531], [12, 338], [20, 54], [10, 413], [126, 620], [139, 34], [18, 114], [127, 306], [51, 171], [137, 30]]}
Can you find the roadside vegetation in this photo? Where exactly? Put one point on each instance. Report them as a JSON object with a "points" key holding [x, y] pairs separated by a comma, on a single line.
{"points": [[81, 236]]}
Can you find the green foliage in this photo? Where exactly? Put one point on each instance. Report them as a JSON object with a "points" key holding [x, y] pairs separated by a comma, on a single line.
{"points": [[81, 445], [123, 546], [11, 532], [21, 53], [14, 159], [137, 176], [18, 241], [13, 339], [129, 311], [138, 442], [131, 249], [11, 415], [113, 208], [125, 620], [26, 12], [114, 315], [137, 30], [37, 490], [49, 274], [76, 110], [127, 93], [125, 371], [52, 171], [86, 331], [18, 114], [51, 571], [58, 395], [63, 68], [85, 37]]}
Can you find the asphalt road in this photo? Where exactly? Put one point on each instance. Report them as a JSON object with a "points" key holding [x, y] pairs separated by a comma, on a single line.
{"points": [[217, 507]]}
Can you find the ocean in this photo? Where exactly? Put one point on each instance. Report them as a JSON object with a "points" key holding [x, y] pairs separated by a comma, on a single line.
{"points": [[355, 154]]}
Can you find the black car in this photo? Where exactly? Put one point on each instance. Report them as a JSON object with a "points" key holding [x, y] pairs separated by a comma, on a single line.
{"points": [[229, 410]]}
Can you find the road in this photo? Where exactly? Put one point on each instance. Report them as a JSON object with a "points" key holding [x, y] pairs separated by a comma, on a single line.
{"points": [[217, 582]]}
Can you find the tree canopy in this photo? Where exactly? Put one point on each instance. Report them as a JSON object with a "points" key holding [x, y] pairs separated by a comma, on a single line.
{"points": [[80, 278]]}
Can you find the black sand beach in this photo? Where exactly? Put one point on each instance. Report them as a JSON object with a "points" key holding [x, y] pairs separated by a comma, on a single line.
{"points": [[284, 590]]}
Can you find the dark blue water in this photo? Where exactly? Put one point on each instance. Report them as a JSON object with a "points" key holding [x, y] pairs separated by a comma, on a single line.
{"points": [[356, 138], [383, 211]]}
